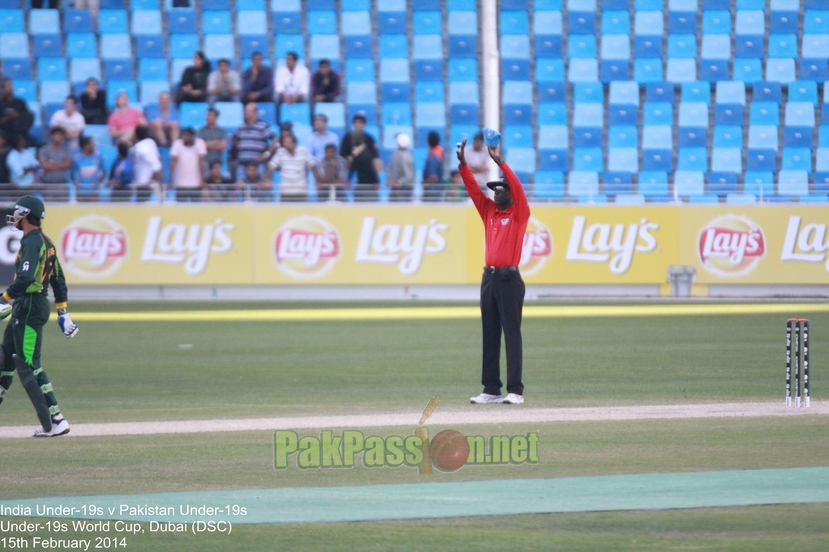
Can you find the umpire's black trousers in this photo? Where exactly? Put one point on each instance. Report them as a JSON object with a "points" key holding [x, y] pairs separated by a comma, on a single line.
{"points": [[502, 301]]}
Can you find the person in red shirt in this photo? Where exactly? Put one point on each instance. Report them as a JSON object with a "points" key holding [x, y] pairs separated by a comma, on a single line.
{"points": [[502, 288]]}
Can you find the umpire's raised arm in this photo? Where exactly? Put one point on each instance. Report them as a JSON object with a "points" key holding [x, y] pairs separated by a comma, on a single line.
{"points": [[519, 196], [478, 197]]}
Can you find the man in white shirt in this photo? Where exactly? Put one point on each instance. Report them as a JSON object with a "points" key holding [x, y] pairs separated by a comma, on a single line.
{"points": [[147, 168], [293, 161], [70, 120], [478, 160], [187, 166], [292, 81]]}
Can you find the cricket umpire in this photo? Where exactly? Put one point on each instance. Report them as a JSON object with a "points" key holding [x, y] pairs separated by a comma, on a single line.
{"points": [[502, 288], [37, 269]]}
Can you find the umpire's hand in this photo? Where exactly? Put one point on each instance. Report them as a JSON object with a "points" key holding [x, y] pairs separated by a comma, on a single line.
{"points": [[461, 154]]}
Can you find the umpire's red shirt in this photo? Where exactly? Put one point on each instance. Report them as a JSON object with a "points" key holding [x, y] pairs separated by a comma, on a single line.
{"points": [[504, 229]]}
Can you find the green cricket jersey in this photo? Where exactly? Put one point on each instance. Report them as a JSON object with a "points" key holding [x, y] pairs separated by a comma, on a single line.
{"points": [[38, 268]]}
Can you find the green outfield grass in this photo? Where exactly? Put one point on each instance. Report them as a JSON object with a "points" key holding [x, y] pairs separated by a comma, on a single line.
{"points": [[136, 372]]}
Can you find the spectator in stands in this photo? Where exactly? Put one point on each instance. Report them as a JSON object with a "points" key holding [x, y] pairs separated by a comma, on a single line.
{"points": [[257, 81], [214, 136], [325, 83], [70, 120], [94, 104], [224, 84], [164, 120], [121, 175], [478, 160], [252, 184], [53, 4], [88, 170], [193, 86], [433, 169], [91, 5], [56, 160], [293, 162], [187, 166], [360, 152], [331, 173], [455, 187], [401, 172], [22, 165], [15, 117], [219, 187], [4, 170], [147, 166], [321, 138], [292, 81], [254, 140], [124, 120]]}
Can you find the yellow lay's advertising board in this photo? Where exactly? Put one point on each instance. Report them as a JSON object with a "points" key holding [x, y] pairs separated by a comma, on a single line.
{"points": [[765, 244], [441, 244]]}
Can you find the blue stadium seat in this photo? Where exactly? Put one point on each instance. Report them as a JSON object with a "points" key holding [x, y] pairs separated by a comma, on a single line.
{"points": [[814, 70], [547, 22], [397, 114], [216, 22], [82, 45], [734, 198], [750, 23], [517, 114], [583, 70], [325, 47], [615, 47], [145, 4], [614, 70], [588, 159], [614, 22], [359, 92], [150, 91], [588, 92], [713, 70], [181, 46], [426, 69], [623, 160], [764, 113], [356, 5], [116, 87], [803, 91], [618, 182], [217, 46], [53, 92], [681, 70], [553, 137], [748, 70], [427, 22], [659, 92], [289, 43], [653, 183], [286, 22], [814, 21], [697, 92], [583, 183], [250, 44], [251, 23], [44, 22], [814, 198], [355, 23], [466, 46], [517, 136], [728, 160], [394, 70], [21, 69], [759, 183], [463, 70], [799, 137], [359, 70], [358, 47], [581, 22], [77, 21], [815, 45], [51, 69], [797, 159], [716, 47], [548, 185], [763, 137], [683, 46], [522, 159], [783, 46], [366, 110], [731, 92], [118, 70], [692, 159], [463, 93], [180, 21], [607, 4], [555, 160], [800, 114], [146, 22], [466, 21], [113, 22], [322, 22], [513, 23], [658, 113], [688, 182], [515, 69], [748, 46], [783, 21], [552, 92], [728, 114], [649, 23], [515, 47], [649, 5], [780, 70], [821, 182], [657, 159], [761, 160], [822, 160], [581, 47], [426, 91], [552, 113], [549, 70], [12, 21], [428, 47], [267, 112], [193, 114], [647, 70], [14, 45], [630, 199], [682, 21], [464, 114], [299, 113], [392, 23], [335, 112], [716, 22], [657, 137], [648, 47], [47, 45], [793, 182]]}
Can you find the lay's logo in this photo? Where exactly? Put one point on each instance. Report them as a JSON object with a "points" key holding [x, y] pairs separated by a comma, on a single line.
{"points": [[731, 245], [94, 246], [537, 249], [306, 247]]}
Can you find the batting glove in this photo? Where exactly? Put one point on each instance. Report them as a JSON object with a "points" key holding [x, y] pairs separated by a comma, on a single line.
{"points": [[67, 326], [5, 307]]}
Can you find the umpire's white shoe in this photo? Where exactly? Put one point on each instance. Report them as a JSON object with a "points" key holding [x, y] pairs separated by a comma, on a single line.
{"points": [[512, 398], [59, 427], [486, 398]]}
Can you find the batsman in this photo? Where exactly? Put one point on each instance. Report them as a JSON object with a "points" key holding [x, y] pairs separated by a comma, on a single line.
{"points": [[27, 301]]}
